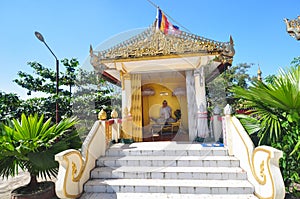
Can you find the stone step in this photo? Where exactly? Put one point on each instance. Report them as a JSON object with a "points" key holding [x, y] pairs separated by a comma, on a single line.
{"points": [[200, 173], [168, 186], [169, 161], [165, 150], [164, 196]]}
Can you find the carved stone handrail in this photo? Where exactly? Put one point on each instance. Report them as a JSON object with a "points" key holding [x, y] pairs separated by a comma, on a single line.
{"points": [[260, 163], [75, 166]]}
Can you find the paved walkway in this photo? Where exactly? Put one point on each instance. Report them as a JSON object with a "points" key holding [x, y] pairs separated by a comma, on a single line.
{"points": [[7, 185]]}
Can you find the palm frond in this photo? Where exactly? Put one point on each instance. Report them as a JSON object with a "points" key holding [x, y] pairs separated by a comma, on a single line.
{"points": [[251, 124], [32, 143], [269, 102]]}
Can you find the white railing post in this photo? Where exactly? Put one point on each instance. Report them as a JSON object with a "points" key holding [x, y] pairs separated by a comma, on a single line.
{"points": [[116, 129], [227, 134], [216, 124]]}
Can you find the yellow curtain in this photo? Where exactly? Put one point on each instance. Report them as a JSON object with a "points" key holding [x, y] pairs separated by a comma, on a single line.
{"points": [[136, 107]]}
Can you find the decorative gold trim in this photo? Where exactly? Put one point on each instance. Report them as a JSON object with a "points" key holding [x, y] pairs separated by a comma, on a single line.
{"points": [[124, 60], [74, 178], [123, 68], [67, 172], [82, 167], [153, 44], [126, 76], [262, 169], [251, 163], [269, 171], [74, 170], [122, 80]]}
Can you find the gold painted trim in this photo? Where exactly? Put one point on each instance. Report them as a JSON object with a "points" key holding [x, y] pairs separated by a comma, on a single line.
{"points": [[269, 170], [65, 179], [261, 197], [74, 169], [248, 156], [261, 182], [123, 68], [82, 167], [160, 57], [262, 168], [126, 76], [151, 43], [122, 80]]}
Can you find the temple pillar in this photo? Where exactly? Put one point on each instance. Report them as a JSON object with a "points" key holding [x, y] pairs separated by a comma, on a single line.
{"points": [[136, 107], [200, 93], [191, 105], [126, 106]]}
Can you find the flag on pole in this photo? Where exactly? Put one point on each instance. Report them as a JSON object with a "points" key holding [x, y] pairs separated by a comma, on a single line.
{"points": [[164, 24]]}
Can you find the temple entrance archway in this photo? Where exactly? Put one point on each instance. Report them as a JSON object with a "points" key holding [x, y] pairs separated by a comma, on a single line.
{"points": [[153, 95]]}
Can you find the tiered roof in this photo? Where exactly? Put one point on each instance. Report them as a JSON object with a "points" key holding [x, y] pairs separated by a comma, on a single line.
{"points": [[153, 44]]}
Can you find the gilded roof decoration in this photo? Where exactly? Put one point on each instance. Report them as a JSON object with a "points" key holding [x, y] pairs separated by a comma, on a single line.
{"points": [[154, 43], [293, 27]]}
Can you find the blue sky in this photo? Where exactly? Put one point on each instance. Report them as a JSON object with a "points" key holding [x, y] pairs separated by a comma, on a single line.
{"points": [[70, 26]]}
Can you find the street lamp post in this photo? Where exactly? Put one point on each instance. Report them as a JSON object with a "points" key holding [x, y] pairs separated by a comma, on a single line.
{"points": [[41, 38]]}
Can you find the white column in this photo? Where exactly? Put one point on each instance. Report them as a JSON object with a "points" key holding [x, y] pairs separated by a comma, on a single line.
{"points": [[126, 106], [202, 127], [128, 92], [191, 105]]}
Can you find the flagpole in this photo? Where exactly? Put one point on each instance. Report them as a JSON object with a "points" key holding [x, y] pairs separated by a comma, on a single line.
{"points": [[157, 10], [176, 22]]}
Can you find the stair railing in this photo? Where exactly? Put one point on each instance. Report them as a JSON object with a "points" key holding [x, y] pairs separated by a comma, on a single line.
{"points": [[75, 166], [260, 163]]}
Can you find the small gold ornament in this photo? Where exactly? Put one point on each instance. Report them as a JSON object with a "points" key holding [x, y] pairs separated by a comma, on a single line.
{"points": [[114, 114], [102, 115]]}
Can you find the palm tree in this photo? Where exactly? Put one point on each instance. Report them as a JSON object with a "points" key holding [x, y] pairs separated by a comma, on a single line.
{"points": [[274, 103], [275, 111], [30, 144]]}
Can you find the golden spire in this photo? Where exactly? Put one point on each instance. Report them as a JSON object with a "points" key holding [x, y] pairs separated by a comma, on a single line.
{"points": [[259, 74]]}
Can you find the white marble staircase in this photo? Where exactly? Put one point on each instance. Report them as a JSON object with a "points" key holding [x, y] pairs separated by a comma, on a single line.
{"points": [[167, 170]]}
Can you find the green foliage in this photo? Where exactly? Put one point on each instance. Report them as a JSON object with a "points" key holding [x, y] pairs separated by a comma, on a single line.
{"points": [[9, 106], [275, 111], [44, 81], [30, 144], [219, 93], [270, 79], [92, 94], [252, 126], [46, 106], [274, 103]]}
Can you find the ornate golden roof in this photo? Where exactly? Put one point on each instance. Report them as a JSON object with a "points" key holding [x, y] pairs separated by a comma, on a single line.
{"points": [[154, 43]]}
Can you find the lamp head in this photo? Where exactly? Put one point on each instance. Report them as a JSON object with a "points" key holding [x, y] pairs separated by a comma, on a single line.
{"points": [[39, 36]]}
